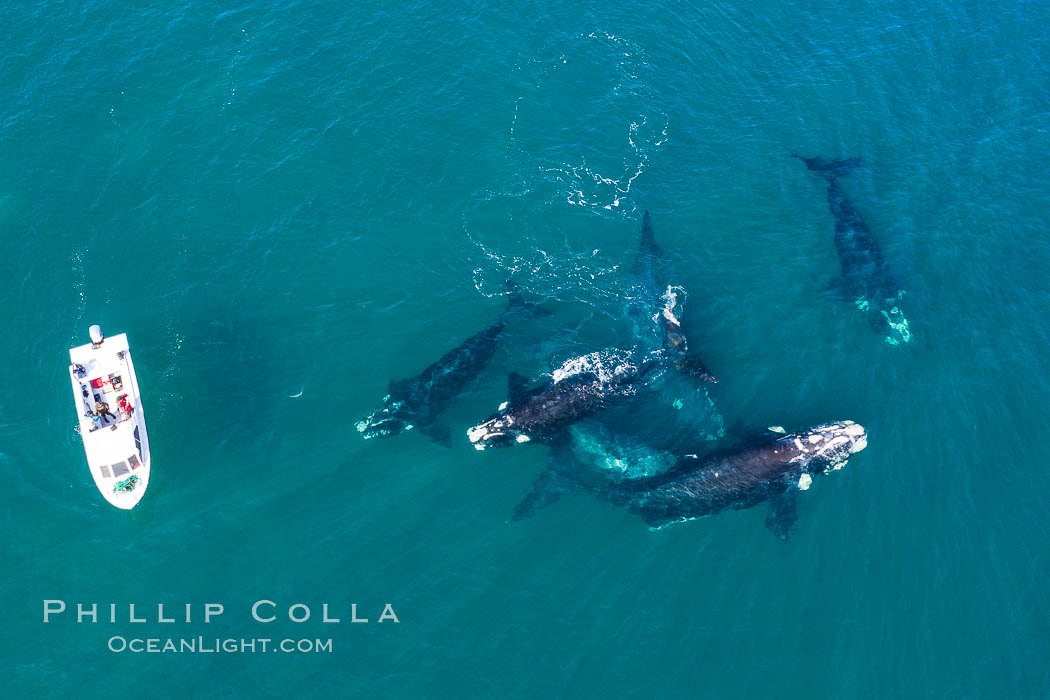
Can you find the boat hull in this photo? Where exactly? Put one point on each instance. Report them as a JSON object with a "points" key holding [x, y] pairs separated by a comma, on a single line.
{"points": [[115, 442]]}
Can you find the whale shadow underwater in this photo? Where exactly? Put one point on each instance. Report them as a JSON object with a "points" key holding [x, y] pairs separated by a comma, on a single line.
{"points": [[866, 278]]}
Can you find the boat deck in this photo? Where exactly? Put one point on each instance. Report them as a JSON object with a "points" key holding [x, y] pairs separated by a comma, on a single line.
{"points": [[115, 441]]}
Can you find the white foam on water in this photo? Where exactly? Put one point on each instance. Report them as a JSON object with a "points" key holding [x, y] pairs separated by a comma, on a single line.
{"points": [[587, 278], [604, 364], [672, 308], [616, 67]]}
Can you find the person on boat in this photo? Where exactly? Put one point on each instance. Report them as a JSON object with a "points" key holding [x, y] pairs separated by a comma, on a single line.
{"points": [[78, 369], [102, 410], [123, 406]]}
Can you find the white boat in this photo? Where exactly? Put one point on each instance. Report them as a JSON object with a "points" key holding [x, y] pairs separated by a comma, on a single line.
{"points": [[112, 424]]}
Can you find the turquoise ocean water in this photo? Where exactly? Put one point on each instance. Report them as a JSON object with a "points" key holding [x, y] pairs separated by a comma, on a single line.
{"points": [[287, 204]]}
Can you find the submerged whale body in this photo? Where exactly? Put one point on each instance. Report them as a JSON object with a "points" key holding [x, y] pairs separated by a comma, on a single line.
{"points": [[866, 279], [416, 402], [768, 472]]}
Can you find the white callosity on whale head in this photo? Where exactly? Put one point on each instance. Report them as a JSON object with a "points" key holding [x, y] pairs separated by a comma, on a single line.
{"points": [[828, 446], [388, 419], [476, 435], [482, 436], [857, 434], [370, 428], [841, 441]]}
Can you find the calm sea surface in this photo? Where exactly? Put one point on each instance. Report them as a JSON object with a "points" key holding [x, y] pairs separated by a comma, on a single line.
{"points": [[287, 204]]}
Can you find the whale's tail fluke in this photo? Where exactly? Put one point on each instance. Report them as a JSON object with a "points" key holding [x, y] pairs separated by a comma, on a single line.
{"points": [[516, 301], [691, 366], [830, 169], [649, 246]]}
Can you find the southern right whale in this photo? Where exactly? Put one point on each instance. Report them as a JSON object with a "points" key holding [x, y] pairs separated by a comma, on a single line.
{"points": [[415, 402], [866, 278], [767, 471], [580, 387], [661, 309]]}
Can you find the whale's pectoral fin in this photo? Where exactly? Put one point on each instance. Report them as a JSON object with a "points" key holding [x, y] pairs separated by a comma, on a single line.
{"points": [[547, 489], [783, 512], [553, 483], [517, 387], [747, 434], [441, 434]]}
